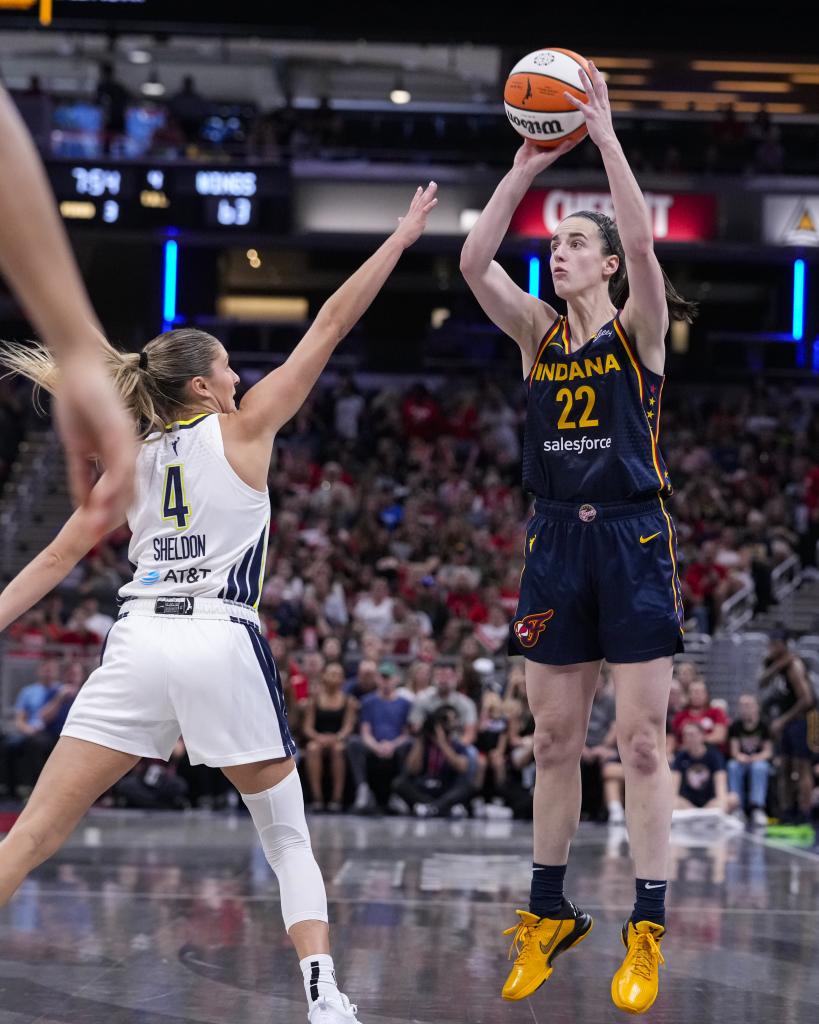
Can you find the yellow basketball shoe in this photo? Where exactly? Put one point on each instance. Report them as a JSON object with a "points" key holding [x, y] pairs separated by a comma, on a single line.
{"points": [[635, 985], [538, 940]]}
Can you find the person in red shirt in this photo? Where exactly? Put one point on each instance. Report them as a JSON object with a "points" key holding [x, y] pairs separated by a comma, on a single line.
{"points": [[712, 720], [463, 599], [421, 414], [706, 583]]}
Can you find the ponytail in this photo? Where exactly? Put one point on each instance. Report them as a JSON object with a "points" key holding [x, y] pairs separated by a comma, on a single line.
{"points": [[679, 308], [152, 383]]}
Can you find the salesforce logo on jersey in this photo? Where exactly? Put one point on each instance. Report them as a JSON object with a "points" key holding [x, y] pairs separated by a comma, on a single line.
{"points": [[580, 444], [147, 579]]}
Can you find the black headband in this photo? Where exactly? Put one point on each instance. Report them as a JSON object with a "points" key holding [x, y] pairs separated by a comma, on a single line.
{"points": [[603, 228], [143, 360]]}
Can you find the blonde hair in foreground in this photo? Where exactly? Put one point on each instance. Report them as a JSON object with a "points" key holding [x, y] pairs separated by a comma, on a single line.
{"points": [[153, 395]]}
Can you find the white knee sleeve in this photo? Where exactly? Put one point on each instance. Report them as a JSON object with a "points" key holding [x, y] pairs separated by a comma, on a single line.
{"points": [[278, 815]]}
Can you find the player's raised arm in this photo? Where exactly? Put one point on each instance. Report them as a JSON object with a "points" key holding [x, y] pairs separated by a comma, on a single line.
{"points": [[82, 532], [646, 312], [36, 259], [269, 404], [523, 317]]}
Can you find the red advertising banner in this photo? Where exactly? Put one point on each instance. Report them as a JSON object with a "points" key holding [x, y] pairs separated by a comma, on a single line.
{"points": [[676, 217]]}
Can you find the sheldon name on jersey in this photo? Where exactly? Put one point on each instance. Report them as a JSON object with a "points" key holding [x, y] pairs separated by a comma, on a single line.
{"points": [[175, 549]]}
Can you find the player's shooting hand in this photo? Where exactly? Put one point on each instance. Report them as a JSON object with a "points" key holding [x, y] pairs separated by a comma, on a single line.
{"points": [[596, 108], [533, 159]]}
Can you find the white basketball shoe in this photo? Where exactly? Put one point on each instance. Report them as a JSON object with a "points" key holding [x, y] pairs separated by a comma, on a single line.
{"points": [[325, 1012]]}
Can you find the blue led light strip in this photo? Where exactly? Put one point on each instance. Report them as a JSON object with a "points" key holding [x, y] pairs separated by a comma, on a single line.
{"points": [[798, 328], [169, 284], [534, 276]]}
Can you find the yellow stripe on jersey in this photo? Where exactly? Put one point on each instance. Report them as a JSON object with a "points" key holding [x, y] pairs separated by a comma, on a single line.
{"points": [[621, 335], [187, 423], [543, 345], [659, 408], [675, 577], [264, 565]]}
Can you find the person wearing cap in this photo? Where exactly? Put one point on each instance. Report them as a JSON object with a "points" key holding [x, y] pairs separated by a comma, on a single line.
{"points": [[444, 691], [788, 709], [376, 751]]}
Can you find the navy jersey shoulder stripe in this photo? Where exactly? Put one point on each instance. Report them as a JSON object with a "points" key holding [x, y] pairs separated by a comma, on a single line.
{"points": [[254, 573], [621, 334], [547, 337], [244, 579], [267, 664]]}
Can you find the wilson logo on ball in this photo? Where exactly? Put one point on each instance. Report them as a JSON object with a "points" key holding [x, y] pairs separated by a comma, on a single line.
{"points": [[539, 127], [528, 629]]}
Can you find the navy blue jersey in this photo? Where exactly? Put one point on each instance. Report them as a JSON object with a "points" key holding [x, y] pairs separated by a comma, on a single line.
{"points": [[593, 420]]}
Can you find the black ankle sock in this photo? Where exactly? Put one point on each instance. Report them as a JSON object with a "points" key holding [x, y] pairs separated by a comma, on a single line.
{"points": [[546, 894], [650, 902]]}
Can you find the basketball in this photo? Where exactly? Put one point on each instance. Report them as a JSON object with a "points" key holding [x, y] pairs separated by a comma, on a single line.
{"points": [[534, 100]]}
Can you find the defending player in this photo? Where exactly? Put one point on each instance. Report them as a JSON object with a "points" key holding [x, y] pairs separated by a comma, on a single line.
{"points": [[186, 654], [600, 573]]}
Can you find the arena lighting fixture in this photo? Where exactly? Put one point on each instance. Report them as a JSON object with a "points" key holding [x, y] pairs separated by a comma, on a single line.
{"points": [[752, 67], [264, 308], [169, 279], [139, 57], [669, 96], [798, 328], [400, 94], [727, 85], [152, 87], [635, 63], [771, 108], [534, 276], [626, 79]]}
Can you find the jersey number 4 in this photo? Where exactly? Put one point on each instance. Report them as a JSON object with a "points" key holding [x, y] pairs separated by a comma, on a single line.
{"points": [[174, 505]]}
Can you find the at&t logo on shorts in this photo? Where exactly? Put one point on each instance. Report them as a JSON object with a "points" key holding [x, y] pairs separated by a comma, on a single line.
{"points": [[148, 579], [529, 628]]}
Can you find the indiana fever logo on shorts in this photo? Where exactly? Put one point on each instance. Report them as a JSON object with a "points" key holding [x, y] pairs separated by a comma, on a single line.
{"points": [[529, 628]]}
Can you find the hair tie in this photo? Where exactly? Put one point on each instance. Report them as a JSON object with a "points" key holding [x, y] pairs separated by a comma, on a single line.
{"points": [[143, 360]]}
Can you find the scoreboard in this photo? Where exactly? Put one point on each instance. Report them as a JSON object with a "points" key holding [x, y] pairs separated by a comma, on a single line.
{"points": [[193, 197]]}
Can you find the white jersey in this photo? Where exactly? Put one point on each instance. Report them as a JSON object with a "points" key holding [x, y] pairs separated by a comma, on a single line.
{"points": [[198, 529]]}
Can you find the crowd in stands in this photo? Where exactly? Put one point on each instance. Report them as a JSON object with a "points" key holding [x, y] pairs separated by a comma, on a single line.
{"points": [[437, 739], [14, 413], [392, 574], [188, 125]]}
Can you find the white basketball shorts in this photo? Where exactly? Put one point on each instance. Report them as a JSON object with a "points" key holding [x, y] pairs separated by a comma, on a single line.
{"points": [[200, 669]]}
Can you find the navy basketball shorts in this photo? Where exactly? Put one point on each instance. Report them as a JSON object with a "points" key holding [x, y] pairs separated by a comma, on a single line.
{"points": [[599, 581], [800, 737]]}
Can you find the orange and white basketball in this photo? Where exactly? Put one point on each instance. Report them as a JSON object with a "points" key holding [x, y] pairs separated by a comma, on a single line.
{"points": [[534, 100]]}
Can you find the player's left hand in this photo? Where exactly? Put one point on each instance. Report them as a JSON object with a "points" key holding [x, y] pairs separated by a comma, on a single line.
{"points": [[411, 225], [596, 108]]}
